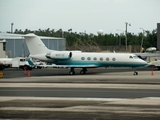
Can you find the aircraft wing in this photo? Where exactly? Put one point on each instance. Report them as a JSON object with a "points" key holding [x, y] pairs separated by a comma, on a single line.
{"points": [[69, 66]]}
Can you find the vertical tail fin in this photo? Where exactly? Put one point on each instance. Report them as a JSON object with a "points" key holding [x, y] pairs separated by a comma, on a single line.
{"points": [[34, 44]]}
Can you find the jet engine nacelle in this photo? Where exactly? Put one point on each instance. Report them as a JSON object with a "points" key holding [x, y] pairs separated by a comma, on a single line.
{"points": [[59, 55]]}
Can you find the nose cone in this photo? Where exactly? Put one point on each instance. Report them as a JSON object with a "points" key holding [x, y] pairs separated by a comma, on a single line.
{"points": [[143, 63]]}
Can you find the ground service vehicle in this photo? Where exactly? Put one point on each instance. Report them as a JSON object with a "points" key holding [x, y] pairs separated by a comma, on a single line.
{"points": [[18, 62]]}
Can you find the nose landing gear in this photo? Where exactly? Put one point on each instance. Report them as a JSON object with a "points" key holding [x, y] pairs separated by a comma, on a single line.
{"points": [[135, 72]]}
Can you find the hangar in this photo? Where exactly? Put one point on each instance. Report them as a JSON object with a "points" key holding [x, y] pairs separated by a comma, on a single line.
{"points": [[13, 45]]}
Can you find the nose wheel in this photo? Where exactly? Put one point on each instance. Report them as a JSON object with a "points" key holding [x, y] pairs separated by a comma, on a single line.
{"points": [[135, 72]]}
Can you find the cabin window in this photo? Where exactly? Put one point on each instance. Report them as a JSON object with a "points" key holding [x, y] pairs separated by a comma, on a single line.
{"points": [[89, 58], [94, 58], [82, 58], [107, 59], [101, 58], [114, 59]]}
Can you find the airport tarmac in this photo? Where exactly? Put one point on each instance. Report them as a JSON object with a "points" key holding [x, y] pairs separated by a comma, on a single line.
{"points": [[113, 93]]}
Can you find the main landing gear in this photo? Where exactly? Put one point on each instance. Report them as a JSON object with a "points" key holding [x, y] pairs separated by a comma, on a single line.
{"points": [[72, 72], [82, 72], [135, 72]]}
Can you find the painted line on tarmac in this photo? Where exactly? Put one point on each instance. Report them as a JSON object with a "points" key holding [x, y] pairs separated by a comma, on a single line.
{"points": [[4, 98], [122, 101], [74, 85]]}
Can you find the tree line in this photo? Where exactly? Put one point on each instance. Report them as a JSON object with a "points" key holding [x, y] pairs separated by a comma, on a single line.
{"points": [[83, 39]]}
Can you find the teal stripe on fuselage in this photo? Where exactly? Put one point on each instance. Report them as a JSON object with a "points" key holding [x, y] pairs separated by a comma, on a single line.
{"points": [[101, 64]]}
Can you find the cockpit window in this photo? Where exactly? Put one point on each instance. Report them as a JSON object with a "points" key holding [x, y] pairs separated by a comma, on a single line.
{"points": [[130, 57], [135, 57]]}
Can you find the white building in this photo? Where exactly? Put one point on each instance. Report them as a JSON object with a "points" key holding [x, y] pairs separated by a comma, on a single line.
{"points": [[2, 49]]}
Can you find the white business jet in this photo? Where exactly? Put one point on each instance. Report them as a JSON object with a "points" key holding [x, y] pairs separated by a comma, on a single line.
{"points": [[78, 59]]}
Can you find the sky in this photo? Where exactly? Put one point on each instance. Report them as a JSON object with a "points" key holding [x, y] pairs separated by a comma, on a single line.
{"points": [[81, 15]]}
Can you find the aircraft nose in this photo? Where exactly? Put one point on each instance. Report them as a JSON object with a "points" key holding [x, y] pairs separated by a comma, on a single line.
{"points": [[145, 63]]}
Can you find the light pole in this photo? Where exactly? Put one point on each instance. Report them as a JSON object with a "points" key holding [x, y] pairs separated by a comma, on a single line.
{"points": [[126, 32], [142, 38], [12, 27]]}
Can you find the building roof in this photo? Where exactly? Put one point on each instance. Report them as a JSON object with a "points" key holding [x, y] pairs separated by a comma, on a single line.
{"points": [[3, 41], [20, 36]]}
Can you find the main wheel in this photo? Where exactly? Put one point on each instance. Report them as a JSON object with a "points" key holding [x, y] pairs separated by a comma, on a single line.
{"points": [[25, 67], [82, 72], [71, 73]]}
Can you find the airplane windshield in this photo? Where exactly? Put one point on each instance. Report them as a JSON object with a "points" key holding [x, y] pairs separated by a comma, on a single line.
{"points": [[130, 57], [135, 57]]}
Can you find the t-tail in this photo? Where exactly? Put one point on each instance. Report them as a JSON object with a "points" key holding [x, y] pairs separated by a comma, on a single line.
{"points": [[39, 51], [35, 45]]}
